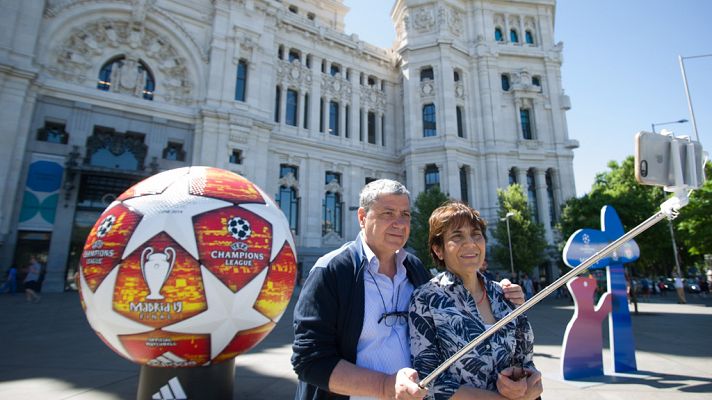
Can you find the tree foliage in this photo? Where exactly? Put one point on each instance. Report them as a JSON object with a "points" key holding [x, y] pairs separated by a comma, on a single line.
{"points": [[527, 237], [634, 203], [424, 205], [695, 220]]}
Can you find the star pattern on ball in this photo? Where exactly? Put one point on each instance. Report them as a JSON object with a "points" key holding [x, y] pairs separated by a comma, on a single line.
{"points": [[227, 314], [280, 227], [172, 212], [102, 317]]}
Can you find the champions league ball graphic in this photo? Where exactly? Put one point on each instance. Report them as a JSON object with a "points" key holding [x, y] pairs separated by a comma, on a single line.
{"points": [[187, 268], [239, 228]]}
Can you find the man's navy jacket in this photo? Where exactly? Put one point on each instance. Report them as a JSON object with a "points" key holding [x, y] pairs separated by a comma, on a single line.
{"points": [[328, 316]]}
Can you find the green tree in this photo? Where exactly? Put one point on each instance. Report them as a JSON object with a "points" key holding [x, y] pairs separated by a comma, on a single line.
{"points": [[527, 236], [424, 205], [634, 203], [695, 221]]}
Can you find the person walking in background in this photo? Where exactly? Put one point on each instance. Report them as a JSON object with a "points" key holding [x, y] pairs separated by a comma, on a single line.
{"points": [[32, 281], [10, 285], [528, 286], [680, 289]]}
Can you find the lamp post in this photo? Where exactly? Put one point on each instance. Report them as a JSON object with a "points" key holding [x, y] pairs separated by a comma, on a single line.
{"points": [[682, 59], [679, 121], [672, 233], [509, 240]]}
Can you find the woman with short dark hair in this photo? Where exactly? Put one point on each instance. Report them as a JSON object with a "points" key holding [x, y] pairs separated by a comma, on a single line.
{"points": [[458, 305]]}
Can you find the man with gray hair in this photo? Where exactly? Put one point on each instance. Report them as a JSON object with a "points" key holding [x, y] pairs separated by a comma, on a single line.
{"points": [[350, 321]]}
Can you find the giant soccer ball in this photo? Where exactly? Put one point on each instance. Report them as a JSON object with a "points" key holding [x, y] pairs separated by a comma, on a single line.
{"points": [[188, 267]]}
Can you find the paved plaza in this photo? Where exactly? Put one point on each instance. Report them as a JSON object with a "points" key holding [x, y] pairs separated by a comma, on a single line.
{"points": [[49, 352]]}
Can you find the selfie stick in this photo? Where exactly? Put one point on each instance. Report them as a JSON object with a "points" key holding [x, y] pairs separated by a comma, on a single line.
{"points": [[669, 209]]}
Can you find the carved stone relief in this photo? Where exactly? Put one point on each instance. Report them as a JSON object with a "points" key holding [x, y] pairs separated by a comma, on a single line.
{"points": [[424, 19], [427, 88], [459, 90], [336, 87], [373, 99], [87, 47], [455, 22], [514, 22], [294, 74], [333, 187], [522, 82], [289, 181]]}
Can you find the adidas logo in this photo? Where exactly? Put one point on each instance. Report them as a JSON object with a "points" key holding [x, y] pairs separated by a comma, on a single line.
{"points": [[172, 391], [169, 359]]}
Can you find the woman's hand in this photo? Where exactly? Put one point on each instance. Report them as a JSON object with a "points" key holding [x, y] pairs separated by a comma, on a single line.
{"points": [[406, 385], [516, 383], [512, 292]]}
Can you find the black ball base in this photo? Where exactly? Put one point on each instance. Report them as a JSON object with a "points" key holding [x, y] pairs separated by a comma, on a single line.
{"points": [[210, 382]]}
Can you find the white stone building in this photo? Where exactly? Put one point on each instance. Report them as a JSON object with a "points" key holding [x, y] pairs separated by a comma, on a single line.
{"points": [[97, 94]]}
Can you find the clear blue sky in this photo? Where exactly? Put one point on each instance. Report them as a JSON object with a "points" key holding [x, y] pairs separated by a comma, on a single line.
{"points": [[620, 69]]}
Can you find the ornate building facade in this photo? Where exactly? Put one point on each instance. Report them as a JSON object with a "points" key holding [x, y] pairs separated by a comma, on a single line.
{"points": [[96, 95]]}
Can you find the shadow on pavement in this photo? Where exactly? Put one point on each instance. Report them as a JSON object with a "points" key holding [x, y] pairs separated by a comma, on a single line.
{"points": [[657, 380]]}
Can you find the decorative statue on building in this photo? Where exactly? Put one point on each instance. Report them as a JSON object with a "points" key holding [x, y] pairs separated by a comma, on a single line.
{"points": [[128, 77]]}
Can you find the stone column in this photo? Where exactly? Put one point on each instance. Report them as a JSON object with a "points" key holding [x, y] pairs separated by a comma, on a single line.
{"points": [[362, 129], [354, 118], [342, 119], [522, 178], [452, 174], [518, 120], [379, 128], [282, 104], [327, 115], [300, 111], [543, 202]]}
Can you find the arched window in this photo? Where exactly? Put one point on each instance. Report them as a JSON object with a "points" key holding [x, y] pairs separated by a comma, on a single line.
{"points": [[531, 195], [432, 176], [512, 176], [460, 123], [332, 206], [130, 76], [426, 73], [536, 81], [306, 111], [498, 36], [513, 36], [371, 127], [277, 100], [334, 118], [525, 119], [291, 117], [347, 121], [429, 124], [241, 82], [456, 75], [464, 189], [505, 82], [528, 37], [550, 195], [287, 196], [321, 114], [293, 55]]}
